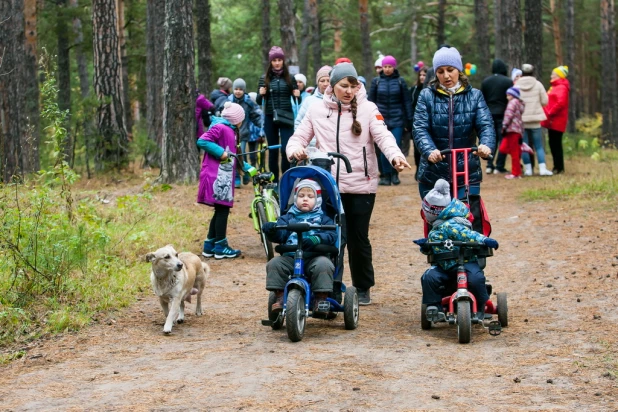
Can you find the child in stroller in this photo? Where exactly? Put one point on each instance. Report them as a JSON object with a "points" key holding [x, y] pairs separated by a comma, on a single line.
{"points": [[449, 220], [307, 207]]}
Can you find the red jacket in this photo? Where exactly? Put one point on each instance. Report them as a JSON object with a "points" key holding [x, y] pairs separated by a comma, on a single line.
{"points": [[557, 110]]}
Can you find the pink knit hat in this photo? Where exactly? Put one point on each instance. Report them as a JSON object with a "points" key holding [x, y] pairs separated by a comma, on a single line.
{"points": [[275, 52], [323, 72], [233, 113], [390, 60]]}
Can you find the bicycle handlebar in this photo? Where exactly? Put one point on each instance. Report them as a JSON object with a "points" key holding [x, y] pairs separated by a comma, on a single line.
{"points": [[470, 245]]}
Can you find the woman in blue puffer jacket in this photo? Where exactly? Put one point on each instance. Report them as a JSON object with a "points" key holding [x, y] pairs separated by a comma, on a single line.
{"points": [[450, 114]]}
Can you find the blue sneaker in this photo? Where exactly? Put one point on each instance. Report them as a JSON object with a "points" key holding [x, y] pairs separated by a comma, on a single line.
{"points": [[209, 248], [237, 182], [223, 250]]}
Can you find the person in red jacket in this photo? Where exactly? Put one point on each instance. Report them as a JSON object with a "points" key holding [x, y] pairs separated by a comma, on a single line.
{"points": [[557, 112]]}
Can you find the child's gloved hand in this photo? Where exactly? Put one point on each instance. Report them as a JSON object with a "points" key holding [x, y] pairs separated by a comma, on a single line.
{"points": [[269, 227], [311, 241], [422, 243], [492, 243]]}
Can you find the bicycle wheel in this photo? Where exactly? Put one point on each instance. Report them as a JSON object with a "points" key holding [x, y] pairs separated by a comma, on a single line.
{"points": [[268, 246]]}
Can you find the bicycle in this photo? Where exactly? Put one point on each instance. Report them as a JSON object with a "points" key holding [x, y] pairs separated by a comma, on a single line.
{"points": [[265, 204]]}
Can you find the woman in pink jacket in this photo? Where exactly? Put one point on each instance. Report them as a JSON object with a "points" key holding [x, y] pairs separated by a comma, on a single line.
{"points": [[360, 126]]}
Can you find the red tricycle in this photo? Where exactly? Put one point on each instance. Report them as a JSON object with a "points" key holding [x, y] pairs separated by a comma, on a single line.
{"points": [[460, 307]]}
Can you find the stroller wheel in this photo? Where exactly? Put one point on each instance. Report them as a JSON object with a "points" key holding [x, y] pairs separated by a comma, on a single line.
{"points": [[295, 318], [350, 308]]}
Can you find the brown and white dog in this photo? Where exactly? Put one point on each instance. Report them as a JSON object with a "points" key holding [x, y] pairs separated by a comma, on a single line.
{"points": [[175, 277]]}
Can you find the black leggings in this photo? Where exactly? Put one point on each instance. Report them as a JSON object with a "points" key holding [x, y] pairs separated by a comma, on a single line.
{"points": [[555, 145], [218, 224], [272, 131]]}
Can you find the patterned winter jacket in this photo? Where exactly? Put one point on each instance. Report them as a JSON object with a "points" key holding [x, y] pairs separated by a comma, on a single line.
{"points": [[447, 227], [512, 122], [442, 121]]}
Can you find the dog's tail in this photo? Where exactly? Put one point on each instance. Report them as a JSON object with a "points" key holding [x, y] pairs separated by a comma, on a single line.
{"points": [[206, 269]]}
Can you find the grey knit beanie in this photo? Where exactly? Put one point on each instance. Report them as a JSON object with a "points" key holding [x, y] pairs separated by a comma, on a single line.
{"points": [[447, 56], [239, 84], [436, 200], [341, 71]]}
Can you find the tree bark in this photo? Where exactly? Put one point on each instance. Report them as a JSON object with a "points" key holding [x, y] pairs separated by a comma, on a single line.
{"points": [[441, 37], [266, 36], [204, 46], [413, 35], [363, 8], [64, 71], [32, 159], [608, 59], [557, 33], [155, 42], [571, 62], [180, 157], [305, 39], [512, 33], [288, 31], [124, 64], [112, 146], [533, 36], [498, 51], [481, 18], [316, 39]]}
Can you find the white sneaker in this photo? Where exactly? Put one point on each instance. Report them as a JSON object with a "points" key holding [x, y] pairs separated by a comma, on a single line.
{"points": [[489, 170], [527, 170], [543, 170]]}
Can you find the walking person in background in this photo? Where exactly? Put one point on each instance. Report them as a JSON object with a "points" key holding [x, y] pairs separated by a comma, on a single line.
{"points": [[203, 110], [557, 112], [276, 89], [378, 66], [535, 97], [390, 93], [322, 79], [415, 91], [494, 89], [219, 97], [512, 131], [515, 75], [346, 122], [301, 82]]}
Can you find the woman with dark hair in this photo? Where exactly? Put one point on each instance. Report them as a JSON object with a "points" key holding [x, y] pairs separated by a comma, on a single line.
{"points": [[345, 109], [276, 88], [449, 115], [415, 91]]}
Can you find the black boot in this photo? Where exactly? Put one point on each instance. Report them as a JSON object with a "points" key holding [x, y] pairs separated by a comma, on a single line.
{"points": [[395, 178], [385, 180]]}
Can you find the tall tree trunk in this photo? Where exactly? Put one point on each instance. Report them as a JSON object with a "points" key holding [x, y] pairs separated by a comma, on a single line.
{"points": [[556, 32], [512, 32], [64, 70], [498, 32], [266, 36], [113, 143], [204, 46], [288, 31], [413, 35], [124, 64], [363, 8], [441, 36], [316, 38], [533, 36], [608, 59], [337, 36], [305, 39], [481, 18], [571, 62], [180, 157], [32, 160], [155, 44]]}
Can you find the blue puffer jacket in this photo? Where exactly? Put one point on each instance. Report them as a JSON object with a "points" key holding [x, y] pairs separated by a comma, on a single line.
{"points": [[442, 121], [390, 94]]}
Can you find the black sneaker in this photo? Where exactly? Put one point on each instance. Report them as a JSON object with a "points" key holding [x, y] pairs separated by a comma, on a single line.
{"points": [[364, 298], [385, 181], [395, 179]]}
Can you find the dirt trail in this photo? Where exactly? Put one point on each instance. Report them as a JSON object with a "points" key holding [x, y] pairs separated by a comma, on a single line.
{"points": [[557, 261]]}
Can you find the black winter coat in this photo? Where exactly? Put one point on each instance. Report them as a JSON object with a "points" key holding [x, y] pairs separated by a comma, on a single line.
{"points": [[218, 99], [281, 95], [442, 121], [494, 88], [253, 114], [390, 94]]}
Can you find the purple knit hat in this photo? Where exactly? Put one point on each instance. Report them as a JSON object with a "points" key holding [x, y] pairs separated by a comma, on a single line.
{"points": [[275, 52], [513, 91], [233, 113], [390, 60]]}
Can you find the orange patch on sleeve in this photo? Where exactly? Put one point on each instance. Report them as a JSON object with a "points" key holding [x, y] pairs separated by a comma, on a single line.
{"points": [[380, 117]]}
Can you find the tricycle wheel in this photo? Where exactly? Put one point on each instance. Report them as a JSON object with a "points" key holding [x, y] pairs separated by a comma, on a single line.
{"points": [[295, 318], [464, 321], [425, 324], [503, 310], [350, 308], [274, 317], [268, 246]]}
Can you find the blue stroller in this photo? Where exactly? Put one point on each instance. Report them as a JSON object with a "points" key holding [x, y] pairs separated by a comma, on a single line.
{"points": [[297, 295]]}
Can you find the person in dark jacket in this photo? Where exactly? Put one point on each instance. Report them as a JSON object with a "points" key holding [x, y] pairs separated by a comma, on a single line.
{"points": [[494, 90], [450, 114], [390, 93], [219, 97], [415, 91], [276, 89]]}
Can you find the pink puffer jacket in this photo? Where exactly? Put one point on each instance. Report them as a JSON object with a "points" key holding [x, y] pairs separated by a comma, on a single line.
{"points": [[321, 121]]}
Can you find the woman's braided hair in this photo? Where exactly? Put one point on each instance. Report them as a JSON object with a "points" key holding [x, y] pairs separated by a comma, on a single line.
{"points": [[356, 126]]}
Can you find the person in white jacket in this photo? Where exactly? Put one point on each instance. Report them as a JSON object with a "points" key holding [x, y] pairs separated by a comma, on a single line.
{"points": [[348, 123]]}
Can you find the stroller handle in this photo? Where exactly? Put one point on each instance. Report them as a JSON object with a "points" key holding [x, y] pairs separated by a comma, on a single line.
{"points": [[471, 245], [471, 149], [348, 167], [304, 227]]}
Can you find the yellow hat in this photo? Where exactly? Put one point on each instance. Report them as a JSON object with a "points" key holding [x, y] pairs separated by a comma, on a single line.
{"points": [[561, 71]]}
